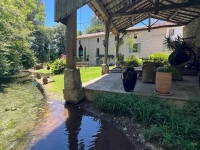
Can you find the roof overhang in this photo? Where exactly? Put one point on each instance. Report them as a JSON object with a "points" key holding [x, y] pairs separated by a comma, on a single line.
{"points": [[126, 13]]}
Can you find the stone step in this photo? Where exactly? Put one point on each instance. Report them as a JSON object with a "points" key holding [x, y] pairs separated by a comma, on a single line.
{"points": [[115, 70]]}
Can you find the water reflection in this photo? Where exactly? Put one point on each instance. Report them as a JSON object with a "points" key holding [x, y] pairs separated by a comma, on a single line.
{"points": [[82, 130], [70, 127]]}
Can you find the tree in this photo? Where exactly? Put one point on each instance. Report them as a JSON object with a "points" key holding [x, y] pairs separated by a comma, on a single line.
{"points": [[95, 25], [16, 30], [43, 43], [60, 38]]}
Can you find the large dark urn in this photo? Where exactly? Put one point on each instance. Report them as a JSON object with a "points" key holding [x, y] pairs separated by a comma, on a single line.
{"points": [[129, 77], [178, 56]]}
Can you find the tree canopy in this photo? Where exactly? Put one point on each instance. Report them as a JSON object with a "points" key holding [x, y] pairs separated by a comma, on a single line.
{"points": [[95, 25], [19, 19]]}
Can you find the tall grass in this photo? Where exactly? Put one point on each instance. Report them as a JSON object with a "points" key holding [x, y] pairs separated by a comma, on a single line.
{"points": [[172, 128]]}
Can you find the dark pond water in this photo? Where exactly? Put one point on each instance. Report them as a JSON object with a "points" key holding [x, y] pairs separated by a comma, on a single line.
{"points": [[70, 127]]}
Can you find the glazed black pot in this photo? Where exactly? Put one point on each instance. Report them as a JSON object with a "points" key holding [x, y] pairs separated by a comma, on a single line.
{"points": [[129, 77]]}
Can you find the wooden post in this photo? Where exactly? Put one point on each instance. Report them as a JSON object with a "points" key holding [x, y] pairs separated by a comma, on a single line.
{"points": [[106, 44], [117, 51], [105, 67], [72, 91], [71, 36]]}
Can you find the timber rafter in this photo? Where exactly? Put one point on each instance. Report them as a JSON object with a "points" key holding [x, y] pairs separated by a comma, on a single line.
{"points": [[126, 13]]}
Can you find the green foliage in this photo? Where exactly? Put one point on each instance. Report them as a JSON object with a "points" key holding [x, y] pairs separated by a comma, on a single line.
{"points": [[176, 75], [172, 128], [58, 66], [59, 39], [95, 29], [19, 18], [132, 61], [130, 40], [43, 45], [161, 57], [167, 69], [28, 59], [173, 44], [96, 25]]}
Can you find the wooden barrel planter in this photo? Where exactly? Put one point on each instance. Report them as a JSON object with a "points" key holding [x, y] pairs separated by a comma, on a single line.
{"points": [[163, 82]]}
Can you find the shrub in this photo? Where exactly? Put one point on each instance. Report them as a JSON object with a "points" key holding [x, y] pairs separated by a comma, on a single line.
{"points": [[132, 61], [161, 57], [58, 66]]}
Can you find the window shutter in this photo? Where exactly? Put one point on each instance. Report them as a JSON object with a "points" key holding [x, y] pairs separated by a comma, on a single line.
{"points": [[130, 49], [138, 47]]}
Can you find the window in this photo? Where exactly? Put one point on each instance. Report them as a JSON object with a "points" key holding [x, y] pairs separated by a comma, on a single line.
{"points": [[97, 52], [171, 32], [136, 48], [97, 40], [135, 35]]}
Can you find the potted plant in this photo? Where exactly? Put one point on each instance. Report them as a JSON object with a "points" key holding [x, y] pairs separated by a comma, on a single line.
{"points": [[164, 79]]}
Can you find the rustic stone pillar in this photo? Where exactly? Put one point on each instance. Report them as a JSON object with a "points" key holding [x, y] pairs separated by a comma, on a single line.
{"points": [[105, 67], [73, 91]]}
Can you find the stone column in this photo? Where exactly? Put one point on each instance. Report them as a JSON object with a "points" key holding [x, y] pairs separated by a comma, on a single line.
{"points": [[72, 91], [105, 67]]}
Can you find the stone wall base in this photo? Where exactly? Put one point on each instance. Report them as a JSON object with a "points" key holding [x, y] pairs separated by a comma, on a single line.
{"points": [[105, 69], [73, 96], [73, 92]]}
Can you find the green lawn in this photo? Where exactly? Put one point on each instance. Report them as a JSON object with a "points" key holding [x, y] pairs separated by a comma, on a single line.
{"points": [[87, 74]]}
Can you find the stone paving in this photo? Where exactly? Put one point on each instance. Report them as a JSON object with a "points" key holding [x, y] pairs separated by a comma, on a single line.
{"points": [[112, 82]]}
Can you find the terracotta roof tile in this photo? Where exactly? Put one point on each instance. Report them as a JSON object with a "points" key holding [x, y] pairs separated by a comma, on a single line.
{"points": [[158, 24]]}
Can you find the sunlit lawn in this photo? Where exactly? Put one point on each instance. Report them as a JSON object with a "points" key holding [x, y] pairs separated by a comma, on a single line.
{"points": [[87, 74]]}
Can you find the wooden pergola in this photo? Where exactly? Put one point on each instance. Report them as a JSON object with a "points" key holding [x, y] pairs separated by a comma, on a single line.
{"points": [[117, 15]]}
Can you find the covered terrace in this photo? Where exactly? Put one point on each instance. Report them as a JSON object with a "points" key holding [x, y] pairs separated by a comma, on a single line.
{"points": [[118, 15]]}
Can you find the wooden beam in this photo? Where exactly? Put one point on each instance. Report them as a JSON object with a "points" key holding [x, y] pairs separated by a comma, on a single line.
{"points": [[100, 8], [71, 35], [160, 8], [151, 2], [174, 14], [165, 19], [117, 6], [131, 6]]}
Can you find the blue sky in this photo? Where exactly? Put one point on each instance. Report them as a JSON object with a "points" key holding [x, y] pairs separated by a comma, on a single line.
{"points": [[83, 15]]}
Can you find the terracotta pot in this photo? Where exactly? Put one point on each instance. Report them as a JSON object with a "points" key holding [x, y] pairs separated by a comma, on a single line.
{"points": [[163, 82]]}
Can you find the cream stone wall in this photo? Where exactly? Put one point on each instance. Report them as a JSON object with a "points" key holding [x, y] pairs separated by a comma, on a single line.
{"points": [[192, 32], [151, 42]]}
